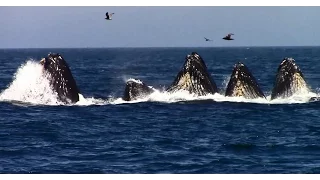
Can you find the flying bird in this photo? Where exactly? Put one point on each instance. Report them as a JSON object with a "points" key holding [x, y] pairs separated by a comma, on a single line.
{"points": [[207, 39], [108, 16], [228, 37]]}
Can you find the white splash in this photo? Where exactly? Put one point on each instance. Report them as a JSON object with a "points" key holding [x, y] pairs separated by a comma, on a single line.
{"points": [[165, 97], [90, 101], [135, 80], [31, 85], [302, 96]]}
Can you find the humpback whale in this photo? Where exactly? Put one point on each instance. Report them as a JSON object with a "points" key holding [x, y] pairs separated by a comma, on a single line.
{"points": [[136, 89], [243, 84], [61, 79], [194, 77], [289, 79]]}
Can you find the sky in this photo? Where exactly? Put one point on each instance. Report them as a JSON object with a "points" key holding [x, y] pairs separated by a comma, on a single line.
{"points": [[157, 26]]}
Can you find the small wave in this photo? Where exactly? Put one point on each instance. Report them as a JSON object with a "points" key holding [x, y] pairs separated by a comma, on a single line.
{"points": [[240, 146]]}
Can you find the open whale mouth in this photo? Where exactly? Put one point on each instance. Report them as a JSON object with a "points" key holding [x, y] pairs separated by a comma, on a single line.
{"points": [[243, 84], [194, 77], [289, 80], [60, 76]]}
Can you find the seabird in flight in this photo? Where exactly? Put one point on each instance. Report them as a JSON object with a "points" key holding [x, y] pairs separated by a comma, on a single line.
{"points": [[228, 37], [207, 39], [108, 16]]}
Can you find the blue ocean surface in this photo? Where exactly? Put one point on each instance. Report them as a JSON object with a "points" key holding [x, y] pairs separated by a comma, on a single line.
{"points": [[161, 133]]}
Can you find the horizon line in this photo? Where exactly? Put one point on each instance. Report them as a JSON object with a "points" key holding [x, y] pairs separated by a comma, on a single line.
{"points": [[131, 47]]}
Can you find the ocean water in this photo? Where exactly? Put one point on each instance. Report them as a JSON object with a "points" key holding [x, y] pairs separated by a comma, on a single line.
{"points": [[161, 133]]}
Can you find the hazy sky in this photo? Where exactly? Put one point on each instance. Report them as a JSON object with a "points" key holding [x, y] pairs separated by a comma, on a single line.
{"points": [[48, 27]]}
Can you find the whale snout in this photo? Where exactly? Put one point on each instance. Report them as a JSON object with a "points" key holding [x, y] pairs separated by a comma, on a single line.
{"points": [[60, 77], [136, 89]]}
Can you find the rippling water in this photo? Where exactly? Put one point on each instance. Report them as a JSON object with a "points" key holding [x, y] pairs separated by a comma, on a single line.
{"points": [[161, 133]]}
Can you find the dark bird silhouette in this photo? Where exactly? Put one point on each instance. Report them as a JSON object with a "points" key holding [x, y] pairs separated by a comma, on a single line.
{"points": [[108, 16], [207, 39], [228, 37]]}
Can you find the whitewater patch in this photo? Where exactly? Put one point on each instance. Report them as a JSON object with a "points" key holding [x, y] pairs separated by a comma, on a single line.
{"points": [[30, 85]]}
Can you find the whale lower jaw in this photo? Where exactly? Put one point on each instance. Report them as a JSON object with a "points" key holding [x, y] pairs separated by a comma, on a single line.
{"points": [[289, 80], [193, 77], [136, 89], [60, 77], [188, 82], [243, 84]]}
